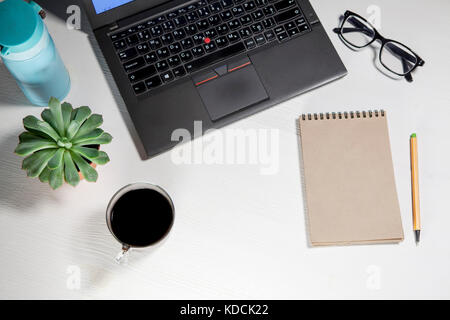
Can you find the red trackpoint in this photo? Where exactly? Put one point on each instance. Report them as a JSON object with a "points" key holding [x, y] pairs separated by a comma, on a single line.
{"points": [[207, 40]]}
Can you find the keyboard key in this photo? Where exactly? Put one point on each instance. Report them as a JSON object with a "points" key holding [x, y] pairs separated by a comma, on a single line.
{"points": [[286, 15], [221, 42], [153, 82], [282, 36], [192, 17], [284, 4], [257, 15], [237, 11], [233, 37], [214, 20], [118, 36], [300, 21], [226, 15], [278, 30], [222, 29], [191, 7], [175, 48], [269, 11], [180, 21], [249, 6], [139, 87], [226, 3], [151, 57], [203, 12], [168, 26], [270, 35], [187, 43], [151, 23], [162, 53], [131, 30], [142, 73], [261, 3], [172, 15], [128, 54], [179, 34], [143, 48], [167, 76], [216, 56], [141, 27], [179, 72], [211, 33], [202, 25], [210, 47], [245, 33], [155, 43], [160, 19], [134, 64], [156, 31], [191, 29], [289, 25], [215, 7], [293, 32], [257, 27], [250, 43], [182, 11], [167, 38], [162, 65], [246, 20], [199, 38], [268, 23], [186, 56], [303, 28], [120, 44], [198, 51], [260, 39], [144, 35], [234, 24], [174, 61], [132, 40]]}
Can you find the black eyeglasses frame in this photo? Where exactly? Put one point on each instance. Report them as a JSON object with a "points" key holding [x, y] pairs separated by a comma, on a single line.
{"points": [[378, 37]]}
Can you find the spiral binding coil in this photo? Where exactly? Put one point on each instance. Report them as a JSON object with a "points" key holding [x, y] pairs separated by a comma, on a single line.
{"points": [[343, 115]]}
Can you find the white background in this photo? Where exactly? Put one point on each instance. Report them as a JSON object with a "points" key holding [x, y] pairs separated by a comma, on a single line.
{"points": [[237, 234]]}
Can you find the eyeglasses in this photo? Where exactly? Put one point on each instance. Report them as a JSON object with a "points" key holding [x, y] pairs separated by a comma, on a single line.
{"points": [[394, 56]]}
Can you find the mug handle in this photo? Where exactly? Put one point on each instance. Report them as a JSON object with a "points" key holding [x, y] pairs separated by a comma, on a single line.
{"points": [[123, 255]]}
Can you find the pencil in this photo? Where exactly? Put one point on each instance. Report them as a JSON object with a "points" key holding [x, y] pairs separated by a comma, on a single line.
{"points": [[415, 186]]}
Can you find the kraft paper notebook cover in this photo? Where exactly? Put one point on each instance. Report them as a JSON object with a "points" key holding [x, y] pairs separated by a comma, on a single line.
{"points": [[351, 195]]}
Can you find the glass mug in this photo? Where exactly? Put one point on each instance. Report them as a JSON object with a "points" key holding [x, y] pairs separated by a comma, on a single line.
{"points": [[139, 215]]}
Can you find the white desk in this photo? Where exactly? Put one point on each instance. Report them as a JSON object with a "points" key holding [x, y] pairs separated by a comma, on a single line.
{"points": [[237, 234]]}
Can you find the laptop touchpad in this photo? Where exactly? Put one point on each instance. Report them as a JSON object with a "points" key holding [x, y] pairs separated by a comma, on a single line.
{"points": [[226, 90]]}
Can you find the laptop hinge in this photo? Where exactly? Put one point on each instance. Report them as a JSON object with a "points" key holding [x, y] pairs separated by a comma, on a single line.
{"points": [[113, 26]]}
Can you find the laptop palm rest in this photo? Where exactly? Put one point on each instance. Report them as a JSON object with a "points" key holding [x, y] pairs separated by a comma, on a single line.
{"points": [[225, 91]]}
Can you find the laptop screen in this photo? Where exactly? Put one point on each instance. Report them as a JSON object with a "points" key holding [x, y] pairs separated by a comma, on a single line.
{"points": [[105, 5]]}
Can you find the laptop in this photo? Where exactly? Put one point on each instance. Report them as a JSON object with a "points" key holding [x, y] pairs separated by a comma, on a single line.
{"points": [[176, 62]]}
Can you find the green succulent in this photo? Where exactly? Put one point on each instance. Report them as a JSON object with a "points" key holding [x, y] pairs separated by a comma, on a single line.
{"points": [[63, 144]]}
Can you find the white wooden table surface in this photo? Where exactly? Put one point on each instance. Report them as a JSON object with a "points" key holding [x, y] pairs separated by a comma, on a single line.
{"points": [[237, 234]]}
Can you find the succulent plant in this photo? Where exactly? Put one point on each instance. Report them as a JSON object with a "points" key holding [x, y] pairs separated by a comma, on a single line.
{"points": [[65, 143]]}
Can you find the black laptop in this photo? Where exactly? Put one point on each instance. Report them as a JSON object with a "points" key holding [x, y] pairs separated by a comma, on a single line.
{"points": [[215, 61]]}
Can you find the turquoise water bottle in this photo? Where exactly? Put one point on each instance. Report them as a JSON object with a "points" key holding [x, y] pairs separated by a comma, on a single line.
{"points": [[28, 52]]}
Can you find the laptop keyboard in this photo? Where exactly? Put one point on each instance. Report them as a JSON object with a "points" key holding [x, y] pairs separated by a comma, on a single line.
{"points": [[170, 46]]}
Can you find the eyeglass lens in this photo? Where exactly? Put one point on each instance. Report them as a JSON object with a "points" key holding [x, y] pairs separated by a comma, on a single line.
{"points": [[357, 32]]}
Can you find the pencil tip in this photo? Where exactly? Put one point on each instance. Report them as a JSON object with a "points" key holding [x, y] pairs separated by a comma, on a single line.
{"points": [[417, 232]]}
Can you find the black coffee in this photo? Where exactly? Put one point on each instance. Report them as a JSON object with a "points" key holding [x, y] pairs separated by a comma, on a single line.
{"points": [[141, 217]]}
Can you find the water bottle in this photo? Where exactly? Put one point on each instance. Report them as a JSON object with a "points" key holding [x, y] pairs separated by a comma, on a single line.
{"points": [[28, 52]]}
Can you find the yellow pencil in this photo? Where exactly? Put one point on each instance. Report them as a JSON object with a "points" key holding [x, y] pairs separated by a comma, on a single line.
{"points": [[415, 186]]}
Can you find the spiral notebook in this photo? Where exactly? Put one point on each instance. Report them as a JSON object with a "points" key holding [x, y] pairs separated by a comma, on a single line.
{"points": [[351, 195]]}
